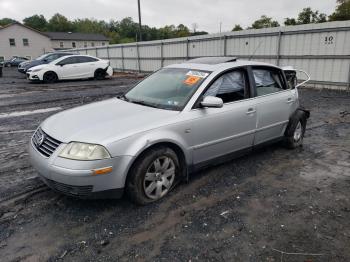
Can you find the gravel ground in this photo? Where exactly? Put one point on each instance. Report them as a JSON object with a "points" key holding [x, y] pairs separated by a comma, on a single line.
{"points": [[272, 205]]}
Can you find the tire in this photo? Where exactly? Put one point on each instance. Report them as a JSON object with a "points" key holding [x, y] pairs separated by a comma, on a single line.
{"points": [[100, 74], [161, 164], [295, 131], [50, 77]]}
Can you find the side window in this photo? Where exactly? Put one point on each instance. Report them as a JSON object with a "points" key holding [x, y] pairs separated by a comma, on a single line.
{"points": [[267, 81], [230, 87], [68, 60]]}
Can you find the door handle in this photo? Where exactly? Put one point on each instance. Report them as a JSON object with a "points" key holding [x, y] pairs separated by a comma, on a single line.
{"points": [[250, 111], [290, 100]]}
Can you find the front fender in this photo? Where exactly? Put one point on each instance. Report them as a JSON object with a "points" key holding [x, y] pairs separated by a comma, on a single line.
{"points": [[136, 144]]}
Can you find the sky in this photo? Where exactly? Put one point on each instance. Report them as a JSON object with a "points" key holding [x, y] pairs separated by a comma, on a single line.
{"points": [[207, 14]]}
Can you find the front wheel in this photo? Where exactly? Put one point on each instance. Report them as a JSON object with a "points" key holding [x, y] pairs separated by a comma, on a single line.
{"points": [[153, 175], [50, 77]]}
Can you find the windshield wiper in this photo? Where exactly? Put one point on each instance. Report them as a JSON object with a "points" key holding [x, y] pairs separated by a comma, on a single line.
{"points": [[141, 102], [123, 97]]}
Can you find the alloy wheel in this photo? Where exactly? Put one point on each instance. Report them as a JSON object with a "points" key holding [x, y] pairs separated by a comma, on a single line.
{"points": [[159, 177]]}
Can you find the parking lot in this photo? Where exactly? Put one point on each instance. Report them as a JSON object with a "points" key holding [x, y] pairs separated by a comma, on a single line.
{"points": [[272, 205]]}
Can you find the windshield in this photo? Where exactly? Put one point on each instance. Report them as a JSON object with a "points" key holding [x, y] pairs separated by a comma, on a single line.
{"points": [[169, 88], [41, 57]]}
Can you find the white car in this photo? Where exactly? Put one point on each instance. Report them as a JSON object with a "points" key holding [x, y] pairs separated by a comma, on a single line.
{"points": [[71, 67]]}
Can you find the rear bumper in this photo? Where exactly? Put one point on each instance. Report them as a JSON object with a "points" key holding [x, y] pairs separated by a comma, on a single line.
{"points": [[76, 178]]}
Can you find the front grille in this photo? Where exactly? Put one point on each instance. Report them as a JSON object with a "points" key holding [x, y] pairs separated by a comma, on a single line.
{"points": [[44, 143], [77, 191]]}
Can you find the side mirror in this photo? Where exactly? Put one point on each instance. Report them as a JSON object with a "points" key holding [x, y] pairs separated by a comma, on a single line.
{"points": [[60, 64], [212, 101]]}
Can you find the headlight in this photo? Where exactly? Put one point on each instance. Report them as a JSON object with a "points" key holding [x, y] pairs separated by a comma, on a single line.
{"points": [[84, 151], [36, 70]]}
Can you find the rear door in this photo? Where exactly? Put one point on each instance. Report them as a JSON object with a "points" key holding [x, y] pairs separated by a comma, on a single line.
{"points": [[220, 131], [275, 103], [90, 65]]}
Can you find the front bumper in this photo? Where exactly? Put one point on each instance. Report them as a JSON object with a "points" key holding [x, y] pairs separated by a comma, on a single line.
{"points": [[32, 76], [75, 178], [21, 70]]}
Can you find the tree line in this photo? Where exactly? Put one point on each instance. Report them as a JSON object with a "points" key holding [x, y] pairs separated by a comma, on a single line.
{"points": [[305, 16], [126, 30]]}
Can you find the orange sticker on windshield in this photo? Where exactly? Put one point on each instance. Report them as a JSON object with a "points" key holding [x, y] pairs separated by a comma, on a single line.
{"points": [[191, 80]]}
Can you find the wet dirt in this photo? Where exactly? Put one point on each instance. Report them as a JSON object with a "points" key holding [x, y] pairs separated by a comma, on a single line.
{"points": [[272, 205]]}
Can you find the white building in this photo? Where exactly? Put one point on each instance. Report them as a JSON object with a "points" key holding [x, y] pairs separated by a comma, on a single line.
{"points": [[17, 39]]}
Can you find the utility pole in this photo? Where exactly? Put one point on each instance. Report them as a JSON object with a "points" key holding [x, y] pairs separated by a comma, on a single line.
{"points": [[140, 26]]}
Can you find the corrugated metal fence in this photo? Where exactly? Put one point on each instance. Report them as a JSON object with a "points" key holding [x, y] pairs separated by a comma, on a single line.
{"points": [[323, 50]]}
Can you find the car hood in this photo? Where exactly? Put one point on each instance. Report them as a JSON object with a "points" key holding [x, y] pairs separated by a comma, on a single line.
{"points": [[33, 63], [38, 67], [105, 122]]}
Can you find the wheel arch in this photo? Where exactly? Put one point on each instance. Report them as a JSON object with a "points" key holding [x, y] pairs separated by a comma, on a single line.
{"points": [[299, 113], [166, 143], [50, 71]]}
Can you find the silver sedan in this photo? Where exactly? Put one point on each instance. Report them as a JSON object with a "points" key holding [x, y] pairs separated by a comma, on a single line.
{"points": [[176, 121]]}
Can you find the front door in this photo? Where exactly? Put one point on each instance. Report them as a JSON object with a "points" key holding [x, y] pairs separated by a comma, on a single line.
{"points": [[220, 131]]}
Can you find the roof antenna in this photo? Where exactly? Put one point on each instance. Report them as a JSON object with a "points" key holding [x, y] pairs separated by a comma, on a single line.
{"points": [[256, 49]]}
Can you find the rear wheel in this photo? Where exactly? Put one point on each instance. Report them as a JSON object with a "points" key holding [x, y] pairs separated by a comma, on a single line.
{"points": [[50, 77], [100, 74], [294, 134], [153, 175]]}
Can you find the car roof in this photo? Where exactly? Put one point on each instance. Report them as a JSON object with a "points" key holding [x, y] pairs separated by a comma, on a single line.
{"points": [[217, 63]]}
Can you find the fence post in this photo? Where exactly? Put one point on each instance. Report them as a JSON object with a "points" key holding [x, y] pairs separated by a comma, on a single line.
{"points": [[187, 49], [122, 49], [225, 45], [86, 52], [96, 51], [278, 48], [138, 57], [349, 78], [161, 55], [108, 52]]}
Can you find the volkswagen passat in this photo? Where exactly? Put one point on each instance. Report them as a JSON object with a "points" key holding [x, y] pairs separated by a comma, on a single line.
{"points": [[70, 67], [181, 118]]}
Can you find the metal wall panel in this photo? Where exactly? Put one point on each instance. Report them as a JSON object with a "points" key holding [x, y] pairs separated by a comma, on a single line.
{"points": [[102, 52], [130, 51], [149, 51], [115, 51], [323, 50], [150, 65], [174, 50], [91, 52], [206, 48], [131, 64]]}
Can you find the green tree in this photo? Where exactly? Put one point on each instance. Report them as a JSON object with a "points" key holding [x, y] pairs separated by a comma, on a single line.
{"points": [[60, 23], [342, 11], [237, 28], [265, 22], [308, 16], [90, 26], [6, 21], [290, 21], [182, 31], [36, 21]]}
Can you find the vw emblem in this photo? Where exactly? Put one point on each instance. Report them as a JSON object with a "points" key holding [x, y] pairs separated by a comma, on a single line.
{"points": [[41, 139]]}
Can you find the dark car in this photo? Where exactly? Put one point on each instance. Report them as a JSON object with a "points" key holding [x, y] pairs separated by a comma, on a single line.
{"points": [[44, 59], [15, 61]]}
